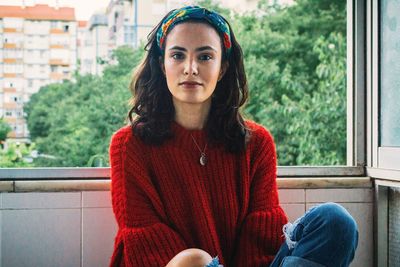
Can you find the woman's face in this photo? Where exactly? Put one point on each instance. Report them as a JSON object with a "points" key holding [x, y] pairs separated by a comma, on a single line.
{"points": [[192, 63]]}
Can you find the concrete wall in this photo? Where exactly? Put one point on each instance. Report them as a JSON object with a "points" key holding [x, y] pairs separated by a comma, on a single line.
{"points": [[78, 228]]}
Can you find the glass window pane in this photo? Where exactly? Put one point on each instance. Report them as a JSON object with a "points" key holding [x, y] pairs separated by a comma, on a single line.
{"points": [[390, 74], [294, 56]]}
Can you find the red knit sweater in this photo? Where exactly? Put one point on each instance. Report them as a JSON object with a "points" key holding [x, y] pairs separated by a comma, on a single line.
{"points": [[165, 201]]}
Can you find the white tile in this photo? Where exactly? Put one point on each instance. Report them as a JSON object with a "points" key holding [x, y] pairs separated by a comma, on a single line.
{"points": [[50, 237], [291, 195], [293, 211], [96, 199], [339, 195], [98, 233], [40, 200], [362, 214]]}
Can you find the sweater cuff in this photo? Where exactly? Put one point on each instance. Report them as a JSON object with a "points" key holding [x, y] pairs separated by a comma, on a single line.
{"points": [[260, 237], [153, 245]]}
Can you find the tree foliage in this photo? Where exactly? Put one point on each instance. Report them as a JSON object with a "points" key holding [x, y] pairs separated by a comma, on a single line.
{"points": [[73, 121], [295, 63], [4, 130], [16, 155]]}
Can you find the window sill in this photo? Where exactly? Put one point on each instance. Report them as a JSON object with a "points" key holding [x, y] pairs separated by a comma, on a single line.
{"points": [[19, 186]]}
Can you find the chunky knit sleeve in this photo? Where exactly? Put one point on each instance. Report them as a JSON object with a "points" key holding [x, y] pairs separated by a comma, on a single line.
{"points": [[144, 237], [261, 232]]}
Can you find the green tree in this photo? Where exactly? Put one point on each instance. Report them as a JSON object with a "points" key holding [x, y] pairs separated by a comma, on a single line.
{"points": [[73, 121], [16, 155], [4, 130], [283, 66]]}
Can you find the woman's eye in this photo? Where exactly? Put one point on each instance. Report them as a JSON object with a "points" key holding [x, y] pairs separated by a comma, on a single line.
{"points": [[177, 56], [205, 57]]}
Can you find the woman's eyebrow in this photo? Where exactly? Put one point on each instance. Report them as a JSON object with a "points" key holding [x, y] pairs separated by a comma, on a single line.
{"points": [[199, 49], [207, 47]]}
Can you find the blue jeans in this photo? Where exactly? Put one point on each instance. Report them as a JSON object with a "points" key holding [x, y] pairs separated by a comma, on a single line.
{"points": [[325, 236]]}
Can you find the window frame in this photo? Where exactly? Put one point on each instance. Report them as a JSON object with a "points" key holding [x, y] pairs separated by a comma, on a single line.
{"points": [[356, 120]]}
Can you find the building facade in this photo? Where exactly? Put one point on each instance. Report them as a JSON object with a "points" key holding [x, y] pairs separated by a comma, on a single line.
{"points": [[37, 47], [93, 45]]}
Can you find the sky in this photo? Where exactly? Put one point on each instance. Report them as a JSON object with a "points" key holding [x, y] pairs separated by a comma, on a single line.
{"points": [[83, 8]]}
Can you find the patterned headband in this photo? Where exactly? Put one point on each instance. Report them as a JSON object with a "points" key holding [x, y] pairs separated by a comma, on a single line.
{"points": [[195, 13]]}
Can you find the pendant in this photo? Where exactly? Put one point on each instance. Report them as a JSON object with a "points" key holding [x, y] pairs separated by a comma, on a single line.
{"points": [[203, 159]]}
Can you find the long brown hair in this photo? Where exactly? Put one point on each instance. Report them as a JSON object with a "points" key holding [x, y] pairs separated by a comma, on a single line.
{"points": [[153, 111]]}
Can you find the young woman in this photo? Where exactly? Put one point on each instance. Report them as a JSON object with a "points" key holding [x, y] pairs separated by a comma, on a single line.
{"points": [[191, 178]]}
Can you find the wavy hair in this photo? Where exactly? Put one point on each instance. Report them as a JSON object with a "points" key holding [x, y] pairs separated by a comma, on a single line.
{"points": [[153, 112]]}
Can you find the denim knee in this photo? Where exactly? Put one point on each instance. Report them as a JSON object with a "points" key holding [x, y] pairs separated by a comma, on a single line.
{"points": [[327, 235], [340, 228], [334, 221], [336, 218]]}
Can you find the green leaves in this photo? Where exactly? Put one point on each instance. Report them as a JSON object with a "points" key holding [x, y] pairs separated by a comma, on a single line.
{"points": [[16, 155], [4, 130], [295, 60], [72, 122]]}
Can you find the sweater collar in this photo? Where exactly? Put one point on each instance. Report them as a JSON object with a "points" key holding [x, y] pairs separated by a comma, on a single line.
{"points": [[184, 137]]}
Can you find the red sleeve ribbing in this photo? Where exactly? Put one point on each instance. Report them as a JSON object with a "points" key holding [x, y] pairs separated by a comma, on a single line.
{"points": [[144, 237], [261, 232]]}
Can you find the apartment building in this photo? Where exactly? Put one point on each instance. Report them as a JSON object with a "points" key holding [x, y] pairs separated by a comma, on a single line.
{"points": [[37, 47], [130, 21], [93, 45]]}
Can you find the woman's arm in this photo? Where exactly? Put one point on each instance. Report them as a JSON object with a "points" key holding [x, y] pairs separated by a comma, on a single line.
{"points": [[261, 232], [144, 236]]}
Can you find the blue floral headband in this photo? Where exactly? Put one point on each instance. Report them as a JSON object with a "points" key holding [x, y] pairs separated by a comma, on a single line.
{"points": [[196, 13]]}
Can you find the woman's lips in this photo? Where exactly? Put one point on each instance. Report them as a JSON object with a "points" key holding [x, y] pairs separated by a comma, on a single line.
{"points": [[190, 84]]}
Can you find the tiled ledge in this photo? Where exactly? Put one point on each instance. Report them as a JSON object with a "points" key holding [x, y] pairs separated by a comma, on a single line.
{"points": [[325, 182], [104, 185]]}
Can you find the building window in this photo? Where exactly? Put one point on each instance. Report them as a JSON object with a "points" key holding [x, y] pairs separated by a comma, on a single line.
{"points": [[53, 24], [66, 28]]}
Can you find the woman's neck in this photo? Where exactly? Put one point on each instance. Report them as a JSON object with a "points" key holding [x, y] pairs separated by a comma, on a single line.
{"points": [[192, 116]]}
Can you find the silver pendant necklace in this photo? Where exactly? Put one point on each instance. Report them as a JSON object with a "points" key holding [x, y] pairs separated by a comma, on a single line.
{"points": [[203, 158]]}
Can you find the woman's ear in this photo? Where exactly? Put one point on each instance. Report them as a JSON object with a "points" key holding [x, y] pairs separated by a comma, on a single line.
{"points": [[224, 67]]}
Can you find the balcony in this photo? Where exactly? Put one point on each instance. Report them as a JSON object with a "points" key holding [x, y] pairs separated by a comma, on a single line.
{"points": [[9, 46], [10, 105], [10, 60], [57, 46], [9, 89], [11, 30], [57, 31], [67, 215], [59, 62], [10, 119], [58, 76], [9, 75]]}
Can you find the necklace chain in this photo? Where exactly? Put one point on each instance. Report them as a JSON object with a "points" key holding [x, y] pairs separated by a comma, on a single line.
{"points": [[203, 158]]}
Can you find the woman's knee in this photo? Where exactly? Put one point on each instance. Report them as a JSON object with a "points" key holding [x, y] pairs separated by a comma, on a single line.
{"points": [[338, 223], [192, 257], [337, 217]]}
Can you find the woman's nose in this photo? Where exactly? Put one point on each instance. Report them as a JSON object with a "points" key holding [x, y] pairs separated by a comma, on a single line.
{"points": [[191, 68]]}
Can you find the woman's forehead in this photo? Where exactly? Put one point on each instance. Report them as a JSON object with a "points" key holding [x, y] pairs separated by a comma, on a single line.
{"points": [[193, 33]]}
